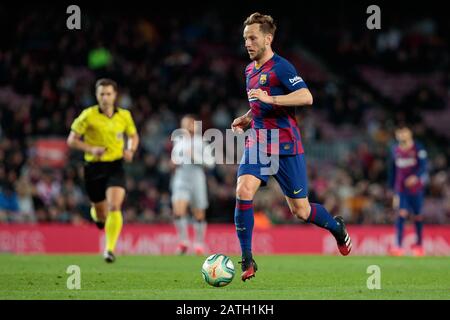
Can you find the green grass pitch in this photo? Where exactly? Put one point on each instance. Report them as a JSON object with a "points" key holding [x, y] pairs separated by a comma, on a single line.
{"points": [[179, 277]]}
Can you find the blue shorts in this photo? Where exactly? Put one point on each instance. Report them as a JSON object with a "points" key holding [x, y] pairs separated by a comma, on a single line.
{"points": [[411, 202], [288, 170]]}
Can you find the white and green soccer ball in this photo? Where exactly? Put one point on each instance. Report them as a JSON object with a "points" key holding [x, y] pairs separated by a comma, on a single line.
{"points": [[218, 270]]}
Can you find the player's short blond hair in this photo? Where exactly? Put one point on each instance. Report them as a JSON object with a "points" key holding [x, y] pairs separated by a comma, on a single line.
{"points": [[266, 23]]}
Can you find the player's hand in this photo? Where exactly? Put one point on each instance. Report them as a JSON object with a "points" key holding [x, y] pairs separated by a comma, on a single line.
{"points": [[411, 181], [97, 151], [128, 155], [239, 124], [261, 95]]}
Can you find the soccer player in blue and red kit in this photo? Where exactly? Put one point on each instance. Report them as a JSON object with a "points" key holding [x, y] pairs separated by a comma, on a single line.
{"points": [[274, 89], [407, 176]]}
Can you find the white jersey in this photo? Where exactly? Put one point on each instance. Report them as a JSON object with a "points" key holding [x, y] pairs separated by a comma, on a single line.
{"points": [[192, 151], [189, 181]]}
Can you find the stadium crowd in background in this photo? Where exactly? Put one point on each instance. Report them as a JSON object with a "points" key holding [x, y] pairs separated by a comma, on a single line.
{"points": [[168, 67]]}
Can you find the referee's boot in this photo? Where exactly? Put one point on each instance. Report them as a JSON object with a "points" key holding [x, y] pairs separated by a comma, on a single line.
{"points": [[109, 257]]}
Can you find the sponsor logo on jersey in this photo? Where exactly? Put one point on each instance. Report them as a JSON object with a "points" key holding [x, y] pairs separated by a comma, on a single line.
{"points": [[295, 80]]}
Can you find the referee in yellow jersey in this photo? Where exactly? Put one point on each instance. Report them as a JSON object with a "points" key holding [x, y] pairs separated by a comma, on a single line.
{"points": [[100, 132]]}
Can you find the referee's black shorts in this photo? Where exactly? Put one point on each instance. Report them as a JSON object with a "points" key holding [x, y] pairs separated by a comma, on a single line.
{"points": [[99, 176]]}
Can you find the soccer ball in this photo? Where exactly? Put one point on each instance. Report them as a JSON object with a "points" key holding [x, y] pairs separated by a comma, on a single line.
{"points": [[218, 270]]}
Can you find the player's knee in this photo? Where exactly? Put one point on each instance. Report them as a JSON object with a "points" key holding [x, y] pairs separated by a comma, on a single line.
{"points": [[403, 213], [301, 211], [101, 213], [179, 209], [244, 192], [200, 219], [179, 213], [199, 216], [114, 207]]}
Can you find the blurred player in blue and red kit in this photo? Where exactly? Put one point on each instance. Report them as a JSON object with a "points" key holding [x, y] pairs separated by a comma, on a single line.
{"points": [[407, 177], [274, 89]]}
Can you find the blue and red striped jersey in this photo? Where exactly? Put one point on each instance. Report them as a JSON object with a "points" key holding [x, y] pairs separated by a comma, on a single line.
{"points": [[277, 77], [404, 163]]}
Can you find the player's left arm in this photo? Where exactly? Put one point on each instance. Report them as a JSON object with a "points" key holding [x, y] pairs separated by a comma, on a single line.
{"points": [[421, 174], [300, 97], [299, 94], [422, 159], [132, 139], [209, 161], [132, 145]]}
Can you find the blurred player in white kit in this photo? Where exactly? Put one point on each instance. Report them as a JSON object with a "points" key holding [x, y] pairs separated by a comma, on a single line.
{"points": [[189, 186]]}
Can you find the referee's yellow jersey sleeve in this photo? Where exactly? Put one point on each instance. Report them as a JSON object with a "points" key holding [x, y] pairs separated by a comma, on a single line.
{"points": [[80, 124], [130, 128]]}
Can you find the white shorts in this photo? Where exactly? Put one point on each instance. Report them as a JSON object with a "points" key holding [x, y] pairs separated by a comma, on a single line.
{"points": [[192, 187]]}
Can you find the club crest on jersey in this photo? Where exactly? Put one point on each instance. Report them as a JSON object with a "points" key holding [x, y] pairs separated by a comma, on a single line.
{"points": [[263, 78]]}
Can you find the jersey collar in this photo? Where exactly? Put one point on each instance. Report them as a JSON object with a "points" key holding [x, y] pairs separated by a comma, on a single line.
{"points": [[114, 111], [259, 67]]}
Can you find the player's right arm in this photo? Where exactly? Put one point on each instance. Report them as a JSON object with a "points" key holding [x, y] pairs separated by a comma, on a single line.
{"points": [[75, 141], [239, 124]]}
